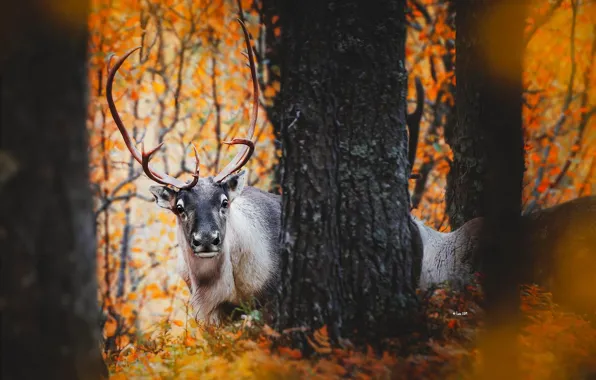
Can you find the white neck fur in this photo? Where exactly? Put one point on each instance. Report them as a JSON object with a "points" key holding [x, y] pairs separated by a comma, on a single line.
{"points": [[248, 262]]}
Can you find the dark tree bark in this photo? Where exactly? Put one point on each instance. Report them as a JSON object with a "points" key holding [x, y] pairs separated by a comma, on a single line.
{"points": [[561, 244], [466, 180], [413, 121], [488, 163], [48, 303], [346, 241], [270, 55]]}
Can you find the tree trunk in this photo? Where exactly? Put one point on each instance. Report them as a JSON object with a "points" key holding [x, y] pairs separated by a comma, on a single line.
{"points": [[466, 180], [48, 303], [346, 243], [561, 244], [271, 55], [488, 163]]}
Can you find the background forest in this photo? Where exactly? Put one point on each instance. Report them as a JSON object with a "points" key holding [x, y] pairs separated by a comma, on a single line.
{"points": [[189, 84]]}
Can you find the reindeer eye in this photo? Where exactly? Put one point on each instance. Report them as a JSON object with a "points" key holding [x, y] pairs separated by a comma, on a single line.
{"points": [[224, 203], [180, 209]]}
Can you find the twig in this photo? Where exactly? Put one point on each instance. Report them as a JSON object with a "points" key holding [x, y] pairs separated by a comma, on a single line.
{"points": [[585, 118], [539, 22], [562, 118]]}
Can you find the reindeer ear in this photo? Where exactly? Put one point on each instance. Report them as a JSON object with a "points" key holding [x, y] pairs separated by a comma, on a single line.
{"points": [[164, 196], [235, 184]]}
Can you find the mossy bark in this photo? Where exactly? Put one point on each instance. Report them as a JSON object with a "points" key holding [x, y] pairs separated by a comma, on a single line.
{"points": [[346, 241]]}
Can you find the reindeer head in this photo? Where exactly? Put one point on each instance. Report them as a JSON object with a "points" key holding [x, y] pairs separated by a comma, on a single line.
{"points": [[202, 211], [201, 205]]}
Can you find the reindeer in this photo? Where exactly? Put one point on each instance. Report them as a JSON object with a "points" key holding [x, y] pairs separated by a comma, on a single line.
{"points": [[227, 231], [559, 242], [448, 257]]}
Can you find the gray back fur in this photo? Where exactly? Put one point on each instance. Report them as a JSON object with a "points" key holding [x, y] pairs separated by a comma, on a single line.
{"points": [[448, 256]]}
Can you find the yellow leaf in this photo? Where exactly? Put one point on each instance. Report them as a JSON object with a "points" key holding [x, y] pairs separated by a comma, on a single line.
{"points": [[164, 218], [178, 322], [190, 341], [126, 311], [110, 327], [122, 340], [270, 92], [159, 88], [270, 332]]}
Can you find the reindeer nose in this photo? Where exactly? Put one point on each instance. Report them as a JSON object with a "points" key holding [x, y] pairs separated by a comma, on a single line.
{"points": [[205, 239], [216, 240], [195, 241]]}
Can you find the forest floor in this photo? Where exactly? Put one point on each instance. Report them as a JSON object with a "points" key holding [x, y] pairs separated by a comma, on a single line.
{"points": [[554, 345]]}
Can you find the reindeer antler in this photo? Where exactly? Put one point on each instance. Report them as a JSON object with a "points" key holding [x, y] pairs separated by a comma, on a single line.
{"points": [[247, 150], [143, 158]]}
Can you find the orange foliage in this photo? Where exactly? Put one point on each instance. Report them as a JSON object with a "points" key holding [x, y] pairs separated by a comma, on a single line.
{"points": [[560, 160], [189, 84], [554, 344], [191, 65]]}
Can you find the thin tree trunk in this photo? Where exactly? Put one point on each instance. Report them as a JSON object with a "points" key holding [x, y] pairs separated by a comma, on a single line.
{"points": [[465, 192], [346, 240], [269, 49], [488, 163], [48, 303]]}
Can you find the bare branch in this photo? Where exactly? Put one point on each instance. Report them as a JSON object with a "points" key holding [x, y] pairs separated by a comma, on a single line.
{"points": [[562, 118], [540, 21], [585, 118], [413, 122], [110, 200]]}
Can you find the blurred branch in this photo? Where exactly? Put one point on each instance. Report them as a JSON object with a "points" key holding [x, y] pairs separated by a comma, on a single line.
{"points": [[268, 54], [185, 146], [267, 172], [124, 243], [108, 201], [240, 11], [132, 177], [585, 117], [564, 111], [154, 264], [441, 110], [217, 106], [585, 187], [124, 250], [183, 54], [106, 257], [413, 122], [422, 9], [541, 20], [421, 181]]}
